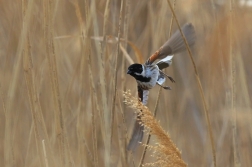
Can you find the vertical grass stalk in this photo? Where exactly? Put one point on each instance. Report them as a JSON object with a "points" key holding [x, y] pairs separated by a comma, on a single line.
{"points": [[115, 72], [8, 152], [233, 92], [158, 98], [200, 87]]}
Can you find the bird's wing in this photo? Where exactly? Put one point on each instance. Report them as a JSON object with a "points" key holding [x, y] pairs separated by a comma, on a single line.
{"points": [[165, 62], [161, 79], [137, 134], [175, 44]]}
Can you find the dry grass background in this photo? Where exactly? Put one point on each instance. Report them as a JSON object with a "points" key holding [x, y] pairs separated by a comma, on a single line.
{"points": [[61, 92]]}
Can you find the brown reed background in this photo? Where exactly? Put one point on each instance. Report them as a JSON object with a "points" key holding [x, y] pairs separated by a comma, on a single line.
{"points": [[61, 86]]}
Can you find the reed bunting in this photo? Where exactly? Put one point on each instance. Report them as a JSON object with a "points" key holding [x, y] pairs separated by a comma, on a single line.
{"points": [[149, 74]]}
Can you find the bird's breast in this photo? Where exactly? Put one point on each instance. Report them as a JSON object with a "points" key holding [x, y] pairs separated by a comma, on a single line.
{"points": [[152, 72]]}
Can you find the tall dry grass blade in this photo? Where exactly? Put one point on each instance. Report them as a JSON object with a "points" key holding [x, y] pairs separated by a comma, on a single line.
{"points": [[237, 162], [106, 111], [94, 102], [27, 68], [92, 90], [46, 29], [172, 19], [36, 112], [59, 105], [121, 137], [113, 39], [125, 36], [126, 55], [123, 144], [101, 62], [115, 74], [93, 115], [91, 158], [137, 52], [166, 152], [158, 98], [52, 64], [84, 33], [29, 143], [44, 129], [2, 100], [8, 152], [200, 88], [45, 155], [123, 132]]}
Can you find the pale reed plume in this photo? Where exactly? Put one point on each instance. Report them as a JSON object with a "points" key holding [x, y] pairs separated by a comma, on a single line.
{"points": [[166, 153]]}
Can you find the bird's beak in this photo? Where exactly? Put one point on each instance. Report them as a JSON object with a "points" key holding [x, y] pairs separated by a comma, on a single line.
{"points": [[129, 72]]}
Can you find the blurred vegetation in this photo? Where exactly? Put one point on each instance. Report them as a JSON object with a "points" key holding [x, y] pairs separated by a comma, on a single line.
{"points": [[61, 85]]}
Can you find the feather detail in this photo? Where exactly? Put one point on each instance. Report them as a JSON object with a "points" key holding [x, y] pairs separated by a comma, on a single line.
{"points": [[175, 44], [137, 135], [165, 62], [161, 79]]}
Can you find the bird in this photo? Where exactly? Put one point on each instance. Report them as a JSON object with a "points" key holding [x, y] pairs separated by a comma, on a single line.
{"points": [[149, 74]]}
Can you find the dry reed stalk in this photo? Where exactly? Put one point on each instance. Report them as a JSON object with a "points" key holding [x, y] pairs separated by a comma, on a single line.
{"points": [[94, 100], [29, 141], [79, 63], [237, 162], [8, 151], [122, 47], [2, 100], [45, 155], [157, 101], [85, 31], [46, 29], [30, 77], [106, 111], [78, 67], [127, 56], [137, 52], [41, 120], [59, 105], [125, 36], [200, 88], [52, 64], [114, 80], [32, 95], [123, 133], [166, 152], [91, 158], [121, 138], [81, 158]]}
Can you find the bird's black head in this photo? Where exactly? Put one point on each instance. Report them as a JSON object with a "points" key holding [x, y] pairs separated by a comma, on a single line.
{"points": [[135, 70]]}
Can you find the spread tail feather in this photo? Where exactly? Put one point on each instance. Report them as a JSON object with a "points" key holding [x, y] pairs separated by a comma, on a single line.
{"points": [[136, 137], [176, 43]]}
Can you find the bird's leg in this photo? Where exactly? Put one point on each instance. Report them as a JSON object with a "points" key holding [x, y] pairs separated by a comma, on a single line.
{"points": [[165, 87], [171, 79]]}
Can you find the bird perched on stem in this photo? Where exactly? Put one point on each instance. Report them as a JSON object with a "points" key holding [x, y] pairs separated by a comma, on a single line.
{"points": [[149, 74]]}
